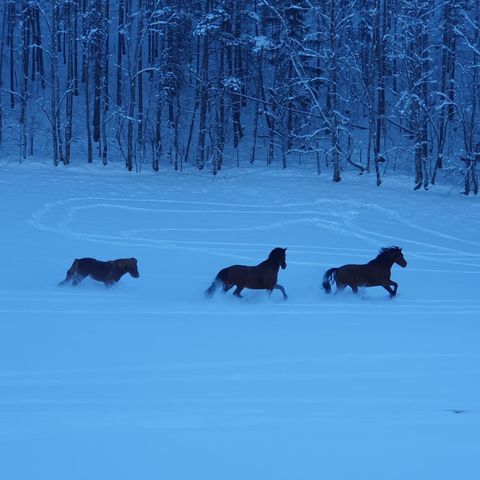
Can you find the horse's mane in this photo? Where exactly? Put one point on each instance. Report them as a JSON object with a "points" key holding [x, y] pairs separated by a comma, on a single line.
{"points": [[386, 254], [276, 254]]}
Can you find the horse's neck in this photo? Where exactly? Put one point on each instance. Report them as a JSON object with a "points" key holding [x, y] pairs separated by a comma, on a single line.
{"points": [[117, 274], [270, 264], [387, 263]]}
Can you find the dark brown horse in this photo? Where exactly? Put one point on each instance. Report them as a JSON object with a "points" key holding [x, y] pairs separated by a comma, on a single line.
{"points": [[375, 273], [261, 277], [107, 272]]}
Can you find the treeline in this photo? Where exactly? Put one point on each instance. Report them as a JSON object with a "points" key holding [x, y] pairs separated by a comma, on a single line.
{"points": [[361, 84]]}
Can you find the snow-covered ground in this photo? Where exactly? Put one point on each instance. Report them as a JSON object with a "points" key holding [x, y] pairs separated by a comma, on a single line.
{"points": [[150, 380]]}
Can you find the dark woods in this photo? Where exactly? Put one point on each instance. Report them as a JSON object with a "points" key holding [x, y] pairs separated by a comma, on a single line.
{"points": [[370, 85]]}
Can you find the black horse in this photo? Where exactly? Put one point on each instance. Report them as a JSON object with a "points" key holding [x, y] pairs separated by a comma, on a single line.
{"points": [[261, 277], [107, 272], [372, 274]]}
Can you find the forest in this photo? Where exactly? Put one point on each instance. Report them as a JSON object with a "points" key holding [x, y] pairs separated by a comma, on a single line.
{"points": [[378, 86]]}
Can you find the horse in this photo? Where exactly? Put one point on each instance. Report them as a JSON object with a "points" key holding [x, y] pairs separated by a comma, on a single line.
{"points": [[260, 277], [372, 274], [108, 272]]}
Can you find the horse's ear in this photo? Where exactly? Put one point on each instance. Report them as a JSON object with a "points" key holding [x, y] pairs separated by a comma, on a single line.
{"points": [[285, 249]]}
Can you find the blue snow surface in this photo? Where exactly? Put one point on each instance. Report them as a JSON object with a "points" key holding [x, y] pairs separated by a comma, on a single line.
{"points": [[151, 380]]}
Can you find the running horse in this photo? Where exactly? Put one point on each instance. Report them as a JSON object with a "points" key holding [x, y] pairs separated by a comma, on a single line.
{"points": [[375, 273], [260, 277], [109, 272]]}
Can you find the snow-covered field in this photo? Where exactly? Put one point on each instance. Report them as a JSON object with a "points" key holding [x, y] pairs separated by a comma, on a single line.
{"points": [[150, 380]]}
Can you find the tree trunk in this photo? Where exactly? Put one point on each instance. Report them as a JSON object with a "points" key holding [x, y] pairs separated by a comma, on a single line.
{"points": [[204, 86]]}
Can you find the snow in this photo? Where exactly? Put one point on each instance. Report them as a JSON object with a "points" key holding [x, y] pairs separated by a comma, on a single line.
{"points": [[149, 379], [262, 43]]}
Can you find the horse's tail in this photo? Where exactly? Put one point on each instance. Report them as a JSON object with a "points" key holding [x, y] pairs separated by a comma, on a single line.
{"points": [[211, 289], [328, 278], [71, 272], [219, 280]]}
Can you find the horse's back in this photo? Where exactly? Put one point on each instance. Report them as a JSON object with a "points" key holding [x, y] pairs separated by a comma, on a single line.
{"points": [[349, 269], [97, 269], [234, 274], [350, 274], [89, 265], [246, 276], [361, 274]]}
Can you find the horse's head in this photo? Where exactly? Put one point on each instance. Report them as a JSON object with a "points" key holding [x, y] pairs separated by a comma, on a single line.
{"points": [[390, 255], [128, 265], [399, 259], [279, 256]]}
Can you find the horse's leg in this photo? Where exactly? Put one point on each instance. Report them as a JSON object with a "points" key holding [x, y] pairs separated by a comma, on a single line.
{"points": [[226, 287], [395, 286], [354, 288], [340, 287], [238, 290], [279, 287], [71, 273], [76, 279], [387, 287], [67, 279]]}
